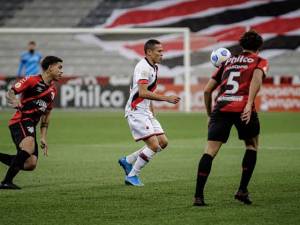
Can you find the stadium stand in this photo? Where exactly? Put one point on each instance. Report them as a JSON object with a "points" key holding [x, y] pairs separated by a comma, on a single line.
{"points": [[58, 14], [9, 8], [99, 14], [214, 24], [55, 13]]}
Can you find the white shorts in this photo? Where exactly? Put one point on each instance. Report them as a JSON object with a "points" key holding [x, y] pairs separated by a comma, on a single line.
{"points": [[143, 126]]}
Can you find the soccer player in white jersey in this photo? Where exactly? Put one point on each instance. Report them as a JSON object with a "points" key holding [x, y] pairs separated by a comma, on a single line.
{"points": [[139, 113]]}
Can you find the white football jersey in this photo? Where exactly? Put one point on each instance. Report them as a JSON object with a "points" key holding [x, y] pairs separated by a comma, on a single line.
{"points": [[144, 73]]}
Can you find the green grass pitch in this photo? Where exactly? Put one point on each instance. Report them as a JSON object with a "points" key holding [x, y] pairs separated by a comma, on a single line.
{"points": [[81, 183]]}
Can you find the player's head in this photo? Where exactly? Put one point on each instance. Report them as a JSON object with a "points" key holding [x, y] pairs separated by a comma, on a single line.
{"points": [[31, 46], [251, 41], [52, 65], [153, 50]]}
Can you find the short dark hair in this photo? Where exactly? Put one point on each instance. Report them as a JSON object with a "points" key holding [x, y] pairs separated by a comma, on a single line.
{"points": [[251, 40], [150, 44], [31, 43], [50, 60]]}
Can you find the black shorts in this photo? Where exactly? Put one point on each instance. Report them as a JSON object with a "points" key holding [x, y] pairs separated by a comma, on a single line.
{"points": [[221, 122], [21, 130]]}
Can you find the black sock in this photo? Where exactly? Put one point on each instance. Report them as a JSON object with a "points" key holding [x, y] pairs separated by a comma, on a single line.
{"points": [[248, 165], [6, 159], [16, 165], [203, 172]]}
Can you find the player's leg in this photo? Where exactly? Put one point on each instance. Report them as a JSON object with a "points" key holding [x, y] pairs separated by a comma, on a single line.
{"points": [[152, 147], [6, 158], [138, 129], [25, 142], [29, 164], [133, 156], [127, 161], [204, 168], [162, 140], [141, 128], [218, 133], [249, 133], [26, 149], [249, 162], [155, 142], [160, 133]]}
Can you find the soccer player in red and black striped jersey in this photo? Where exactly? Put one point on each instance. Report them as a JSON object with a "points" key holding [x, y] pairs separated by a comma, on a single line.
{"points": [[34, 105], [239, 79]]}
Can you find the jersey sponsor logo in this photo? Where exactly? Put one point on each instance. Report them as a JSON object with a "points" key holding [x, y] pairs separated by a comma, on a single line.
{"points": [[41, 104], [18, 85], [30, 129], [22, 81], [230, 98], [237, 67], [239, 59]]}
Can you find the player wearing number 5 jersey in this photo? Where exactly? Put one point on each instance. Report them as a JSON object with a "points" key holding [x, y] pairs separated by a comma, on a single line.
{"points": [[239, 79]]}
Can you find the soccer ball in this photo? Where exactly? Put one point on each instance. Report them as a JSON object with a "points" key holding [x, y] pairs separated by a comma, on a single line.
{"points": [[219, 55]]}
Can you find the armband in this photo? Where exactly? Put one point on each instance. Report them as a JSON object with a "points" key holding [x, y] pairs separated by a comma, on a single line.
{"points": [[44, 124]]}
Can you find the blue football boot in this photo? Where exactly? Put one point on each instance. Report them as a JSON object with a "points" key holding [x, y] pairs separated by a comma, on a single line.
{"points": [[134, 181], [127, 167]]}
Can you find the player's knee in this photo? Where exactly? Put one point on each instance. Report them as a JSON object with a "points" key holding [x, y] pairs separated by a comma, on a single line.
{"points": [[31, 167], [212, 148], [154, 147], [251, 143], [30, 163], [163, 143]]}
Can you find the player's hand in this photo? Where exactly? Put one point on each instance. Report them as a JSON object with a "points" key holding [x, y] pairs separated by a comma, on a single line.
{"points": [[173, 99], [12, 99], [246, 114], [44, 147], [14, 103]]}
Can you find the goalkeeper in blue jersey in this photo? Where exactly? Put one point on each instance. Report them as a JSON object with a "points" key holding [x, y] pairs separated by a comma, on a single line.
{"points": [[29, 61]]}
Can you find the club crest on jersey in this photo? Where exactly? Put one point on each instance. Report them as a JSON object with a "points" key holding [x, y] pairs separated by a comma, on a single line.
{"points": [[144, 74], [30, 129]]}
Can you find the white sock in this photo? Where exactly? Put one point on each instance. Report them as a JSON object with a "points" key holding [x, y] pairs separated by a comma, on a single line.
{"points": [[144, 157], [133, 156]]}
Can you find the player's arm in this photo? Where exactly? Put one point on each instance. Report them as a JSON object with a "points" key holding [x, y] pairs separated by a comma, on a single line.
{"points": [[45, 119], [145, 93], [255, 85], [208, 90], [21, 86], [12, 99]]}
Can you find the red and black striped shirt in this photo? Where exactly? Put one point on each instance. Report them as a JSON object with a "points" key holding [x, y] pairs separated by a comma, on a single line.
{"points": [[234, 78], [36, 98]]}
